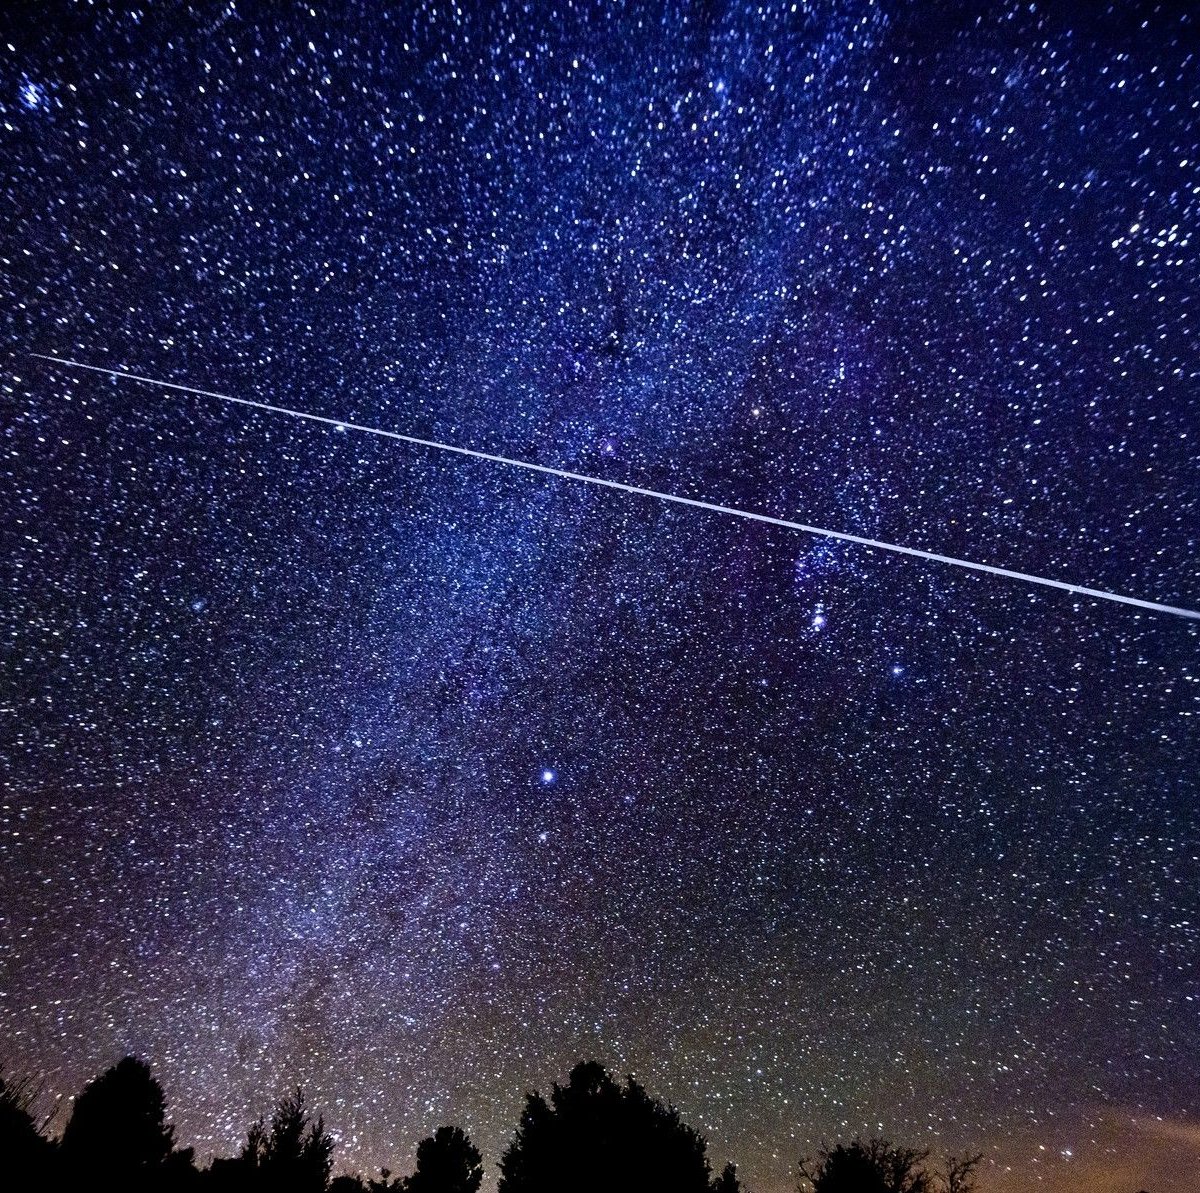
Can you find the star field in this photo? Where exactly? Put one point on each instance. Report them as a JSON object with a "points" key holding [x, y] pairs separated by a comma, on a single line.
{"points": [[414, 779]]}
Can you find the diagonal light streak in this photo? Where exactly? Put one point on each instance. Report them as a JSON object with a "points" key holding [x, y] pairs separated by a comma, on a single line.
{"points": [[637, 490]]}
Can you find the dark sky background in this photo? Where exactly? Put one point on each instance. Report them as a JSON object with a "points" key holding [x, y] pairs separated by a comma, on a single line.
{"points": [[414, 779]]}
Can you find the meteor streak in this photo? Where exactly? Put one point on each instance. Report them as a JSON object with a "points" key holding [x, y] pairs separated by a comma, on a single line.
{"points": [[711, 507]]}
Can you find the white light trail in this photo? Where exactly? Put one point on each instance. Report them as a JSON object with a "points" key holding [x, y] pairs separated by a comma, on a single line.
{"points": [[711, 507]]}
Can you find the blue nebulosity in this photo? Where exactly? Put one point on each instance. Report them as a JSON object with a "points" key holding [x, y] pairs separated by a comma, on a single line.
{"points": [[415, 779]]}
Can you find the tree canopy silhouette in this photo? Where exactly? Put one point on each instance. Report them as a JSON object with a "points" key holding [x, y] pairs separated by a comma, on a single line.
{"points": [[294, 1154], [24, 1153], [727, 1182], [594, 1135], [117, 1132], [877, 1166], [447, 1162]]}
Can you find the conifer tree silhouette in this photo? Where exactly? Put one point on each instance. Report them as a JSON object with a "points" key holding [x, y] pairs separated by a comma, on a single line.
{"points": [[592, 1135], [293, 1155], [727, 1182], [25, 1154]]}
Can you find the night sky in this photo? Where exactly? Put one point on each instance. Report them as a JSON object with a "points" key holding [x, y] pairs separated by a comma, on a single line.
{"points": [[414, 778]]}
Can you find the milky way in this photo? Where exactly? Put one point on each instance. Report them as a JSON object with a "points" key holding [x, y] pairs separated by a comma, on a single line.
{"points": [[413, 779], [622, 487]]}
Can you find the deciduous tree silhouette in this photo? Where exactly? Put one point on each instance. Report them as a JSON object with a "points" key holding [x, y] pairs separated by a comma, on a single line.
{"points": [[870, 1166], [960, 1174], [594, 1136], [876, 1166], [447, 1162], [118, 1134]]}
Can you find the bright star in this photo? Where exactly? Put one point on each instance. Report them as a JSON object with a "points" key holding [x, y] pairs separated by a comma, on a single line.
{"points": [[31, 94]]}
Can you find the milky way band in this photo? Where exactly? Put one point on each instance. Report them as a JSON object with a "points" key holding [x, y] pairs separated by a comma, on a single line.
{"points": [[712, 507]]}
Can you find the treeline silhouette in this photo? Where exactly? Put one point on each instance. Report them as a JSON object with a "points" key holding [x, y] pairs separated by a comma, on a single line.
{"points": [[592, 1135]]}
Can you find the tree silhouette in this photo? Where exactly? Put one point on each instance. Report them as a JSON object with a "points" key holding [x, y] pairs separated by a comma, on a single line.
{"points": [[447, 1162], [594, 1136], [348, 1184], [117, 1132], [386, 1183], [871, 1166], [876, 1166], [960, 1174], [294, 1154], [727, 1182], [25, 1154]]}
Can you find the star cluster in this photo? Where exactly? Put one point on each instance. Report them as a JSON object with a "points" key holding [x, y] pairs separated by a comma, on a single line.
{"points": [[414, 779]]}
